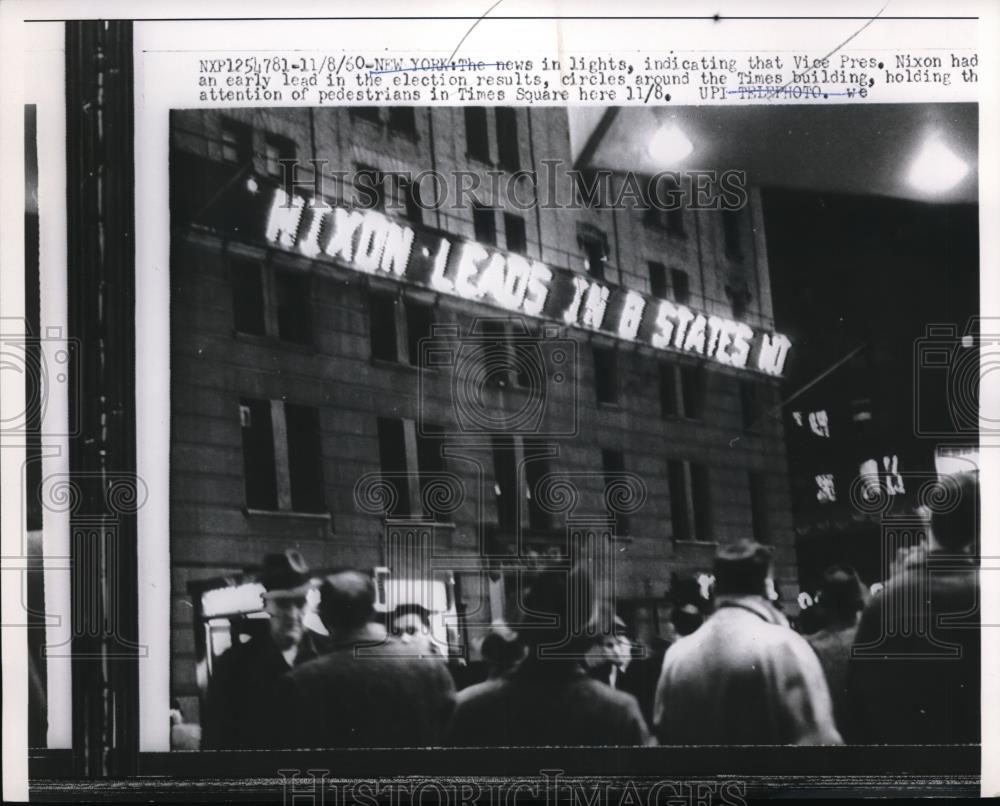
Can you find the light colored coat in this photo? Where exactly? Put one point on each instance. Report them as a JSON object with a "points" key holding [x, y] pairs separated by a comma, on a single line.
{"points": [[744, 677]]}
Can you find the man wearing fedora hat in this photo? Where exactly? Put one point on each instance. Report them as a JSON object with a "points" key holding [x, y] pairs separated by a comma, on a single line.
{"points": [[239, 711], [744, 676]]}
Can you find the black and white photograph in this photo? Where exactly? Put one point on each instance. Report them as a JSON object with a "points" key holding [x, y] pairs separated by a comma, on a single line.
{"points": [[605, 426]]}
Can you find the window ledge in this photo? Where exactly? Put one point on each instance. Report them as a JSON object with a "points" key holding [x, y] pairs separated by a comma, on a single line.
{"points": [[609, 406], [703, 543], [385, 363], [480, 159], [287, 513]]}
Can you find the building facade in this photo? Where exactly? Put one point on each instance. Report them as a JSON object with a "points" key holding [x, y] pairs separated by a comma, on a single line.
{"points": [[483, 380]]}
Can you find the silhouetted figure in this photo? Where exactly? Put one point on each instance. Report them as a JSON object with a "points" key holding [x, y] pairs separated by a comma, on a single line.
{"points": [[548, 699], [369, 690], [915, 672], [744, 676], [239, 707], [842, 597]]}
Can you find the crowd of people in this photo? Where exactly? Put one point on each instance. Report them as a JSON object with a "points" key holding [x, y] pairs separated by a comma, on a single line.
{"points": [[900, 666]]}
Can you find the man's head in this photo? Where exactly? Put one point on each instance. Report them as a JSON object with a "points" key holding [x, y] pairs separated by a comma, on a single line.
{"points": [[565, 601], [347, 601], [286, 582], [411, 620], [743, 568], [955, 520], [842, 595]]}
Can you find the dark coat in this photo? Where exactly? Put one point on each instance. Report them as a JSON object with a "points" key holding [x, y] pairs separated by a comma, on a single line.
{"points": [[369, 691], [832, 646], [546, 703], [239, 707], [907, 686]]}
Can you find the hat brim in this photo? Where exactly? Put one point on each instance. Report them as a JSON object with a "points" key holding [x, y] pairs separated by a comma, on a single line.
{"points": [[289, 593]]}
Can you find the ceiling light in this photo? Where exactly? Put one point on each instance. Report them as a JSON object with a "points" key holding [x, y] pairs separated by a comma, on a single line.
{"points": [[669, 145], [936, 168]]}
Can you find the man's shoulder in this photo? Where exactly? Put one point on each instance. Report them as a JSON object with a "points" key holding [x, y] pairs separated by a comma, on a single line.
{"points": [[480, 693]]}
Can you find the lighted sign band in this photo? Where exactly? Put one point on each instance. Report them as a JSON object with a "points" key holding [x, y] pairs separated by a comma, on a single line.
{"points": [[370, 242]]}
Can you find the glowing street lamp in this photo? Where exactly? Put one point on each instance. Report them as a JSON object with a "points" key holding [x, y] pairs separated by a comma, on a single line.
{"points": [[936, 168], [669, 145]]}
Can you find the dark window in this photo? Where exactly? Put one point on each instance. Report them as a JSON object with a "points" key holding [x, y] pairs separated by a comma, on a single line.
{"points": [[758, 508], [614, 465], [294, 297], [484, 223], [276, 149], [693, 391], [668, 390], [657, 279], [370, 184], [372, 114], [681, 285], [477, 136], [749, 405], [594, 245], [392, 458], [507, 145], [237, 142], [248, 297], [731, 233], [517, 237], [496, 354], [430, 462], [419, 319], [675, 222], [605, 375], [701, 497], [411, 197], [382, 326], [505, 482], [679, 516], [259, 475], [305, 468], [403, 119], [535, 468], [739, 300]]}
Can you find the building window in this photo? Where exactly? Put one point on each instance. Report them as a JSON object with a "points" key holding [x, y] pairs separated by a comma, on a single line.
{"points": [[281, 456], [305, 469], [419, 320], [692, 392], [508, 358], [657, 279], [613, 463], [410, 192], [505, 482], [370, 185], [605, 375], [675, 222], [259, 473], [403, 120], [248, 297], [507, 144], [517, 236], [271, 302], [293, 295], [392, 459], [669, 407], [701, 495], [731, 233], [680, 519], [382, 326], [739, 300], [484, 224], [430, 463], [749, 405], [477, 136], [690, 502], [276, 149], [536, 465], [681, 286], [758, 507], [372, 114], [594, 245], [237, 142]]}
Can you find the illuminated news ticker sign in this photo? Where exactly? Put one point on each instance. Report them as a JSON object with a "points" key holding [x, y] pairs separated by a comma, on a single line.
{"points": [[371, 242]]}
